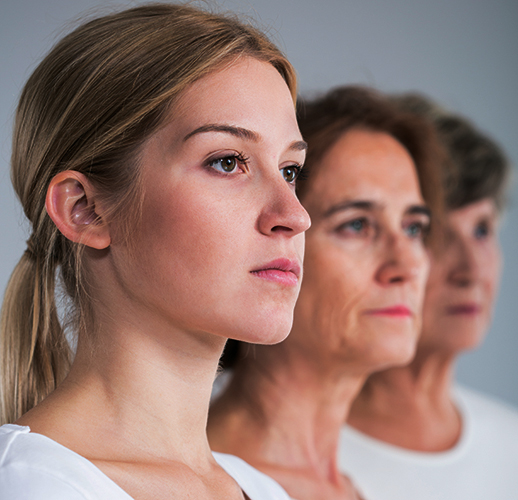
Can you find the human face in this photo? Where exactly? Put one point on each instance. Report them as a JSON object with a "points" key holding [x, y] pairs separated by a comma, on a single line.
{"points": [[463, 280], [220, 244], [366, 264]]}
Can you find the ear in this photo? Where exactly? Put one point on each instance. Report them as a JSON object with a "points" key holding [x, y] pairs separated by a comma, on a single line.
{"points": [[70, 203]]}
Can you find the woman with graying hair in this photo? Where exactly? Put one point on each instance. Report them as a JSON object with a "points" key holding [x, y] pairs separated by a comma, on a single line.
{"points": [[155, 154], [414, 432]]}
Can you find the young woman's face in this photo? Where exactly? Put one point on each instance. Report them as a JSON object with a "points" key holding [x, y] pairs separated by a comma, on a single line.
{"points": [[220, 244], [366, 264], [464, 277]]}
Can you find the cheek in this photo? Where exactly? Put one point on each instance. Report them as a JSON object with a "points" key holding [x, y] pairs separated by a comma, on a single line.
{"points": [[424, 274], [184, 228], [335, 274], [493, 266], [332, 294], [433, 292], [436, 282]]}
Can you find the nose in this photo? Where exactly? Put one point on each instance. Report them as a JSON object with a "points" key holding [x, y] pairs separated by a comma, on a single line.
{"points": [[282, 212], [465, 267], [402, 259]]}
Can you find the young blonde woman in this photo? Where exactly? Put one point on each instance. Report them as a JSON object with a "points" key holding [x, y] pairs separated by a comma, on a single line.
{"points": [[369, 193], [155, 153]]}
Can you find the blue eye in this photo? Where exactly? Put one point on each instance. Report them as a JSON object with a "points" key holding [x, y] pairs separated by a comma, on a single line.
{"points": [[291, 173], [415, 230], [355, 226], [481, 231]]}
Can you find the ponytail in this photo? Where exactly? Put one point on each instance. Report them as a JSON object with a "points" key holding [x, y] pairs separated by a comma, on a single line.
{"points": [[88, 107], [35, 355]]}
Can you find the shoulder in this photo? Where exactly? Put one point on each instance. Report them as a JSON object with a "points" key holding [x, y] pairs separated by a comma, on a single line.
{"points": [[33, 466], [486, 410], [20, 448], [255, 484], [24, 469]]}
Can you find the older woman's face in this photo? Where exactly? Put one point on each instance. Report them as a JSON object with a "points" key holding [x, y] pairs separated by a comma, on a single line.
{"points": [[220, 244], [463, 280], [366, 264]]}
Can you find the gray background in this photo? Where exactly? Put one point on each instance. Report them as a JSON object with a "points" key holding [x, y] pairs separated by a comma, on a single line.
{"points": [[463, 53]]}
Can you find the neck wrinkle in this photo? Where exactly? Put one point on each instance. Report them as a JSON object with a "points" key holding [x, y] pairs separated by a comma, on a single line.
{"points": [[411, 406], [284, 411]]}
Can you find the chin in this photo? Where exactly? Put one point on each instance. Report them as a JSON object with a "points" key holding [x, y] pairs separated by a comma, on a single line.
{"points": [[267, 331], [467, 343], [457, 338], [395, 354], [380, 357]]}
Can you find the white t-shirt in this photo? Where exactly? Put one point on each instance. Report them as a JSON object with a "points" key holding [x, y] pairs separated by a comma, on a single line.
{"points": [[482, 465], [34, 467]]}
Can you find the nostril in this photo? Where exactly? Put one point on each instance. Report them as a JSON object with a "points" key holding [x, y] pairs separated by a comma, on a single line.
{"points": [[463, 282], [281, 228]]}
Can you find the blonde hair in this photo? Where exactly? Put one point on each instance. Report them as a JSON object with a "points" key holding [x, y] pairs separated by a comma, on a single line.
{"points": [[89, 105]]}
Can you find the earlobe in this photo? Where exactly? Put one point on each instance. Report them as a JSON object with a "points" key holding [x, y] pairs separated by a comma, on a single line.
{"points": [[70, 203]]}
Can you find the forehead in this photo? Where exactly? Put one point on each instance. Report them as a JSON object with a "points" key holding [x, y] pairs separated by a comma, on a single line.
{"points": [[473, 212], [246, 92], [368, 165]]}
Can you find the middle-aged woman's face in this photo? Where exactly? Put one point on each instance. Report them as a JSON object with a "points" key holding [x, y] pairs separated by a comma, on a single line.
{"points": [[366, 264], [464, 277], [220, 245]]}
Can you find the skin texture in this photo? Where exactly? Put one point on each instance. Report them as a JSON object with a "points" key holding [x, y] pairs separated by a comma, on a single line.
{"points": [[284, 407], [135, 402], [412, 407], [364, 254], [230, 223]]}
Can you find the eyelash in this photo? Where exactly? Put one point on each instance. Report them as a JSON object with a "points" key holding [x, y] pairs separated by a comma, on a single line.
{"points": [[485, 227], [302, 174], [349, 225], [366, 225], [239, 159], [424, 229], [299, 173]]}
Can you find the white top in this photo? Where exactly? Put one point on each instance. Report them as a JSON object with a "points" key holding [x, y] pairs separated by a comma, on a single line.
{"points": [[34, 467], [482, 465]]}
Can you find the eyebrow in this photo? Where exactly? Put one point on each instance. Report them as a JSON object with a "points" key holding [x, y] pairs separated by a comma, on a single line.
{"points": [[241, 133], [420, 209], [299, 145], [370, 206], [345, 205]]}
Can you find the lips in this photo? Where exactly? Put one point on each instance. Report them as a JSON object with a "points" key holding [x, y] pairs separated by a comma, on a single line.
{"points": [[468, 309], [283, 271], [397, 311]]}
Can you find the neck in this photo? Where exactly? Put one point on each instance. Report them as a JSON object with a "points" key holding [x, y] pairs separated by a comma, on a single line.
{"points": [[284, 411], [142, 389], [410, 406]]}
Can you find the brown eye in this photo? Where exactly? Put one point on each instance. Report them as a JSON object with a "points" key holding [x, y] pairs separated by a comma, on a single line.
{"points": [[226, 165], [290, 173]]}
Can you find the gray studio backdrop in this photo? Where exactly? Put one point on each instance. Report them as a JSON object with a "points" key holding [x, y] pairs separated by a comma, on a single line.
{"points": [[463, 53]]}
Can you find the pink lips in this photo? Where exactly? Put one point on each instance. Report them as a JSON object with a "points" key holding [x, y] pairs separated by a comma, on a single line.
{"points": [[468, 309], [283, 271], [398, 311]]}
